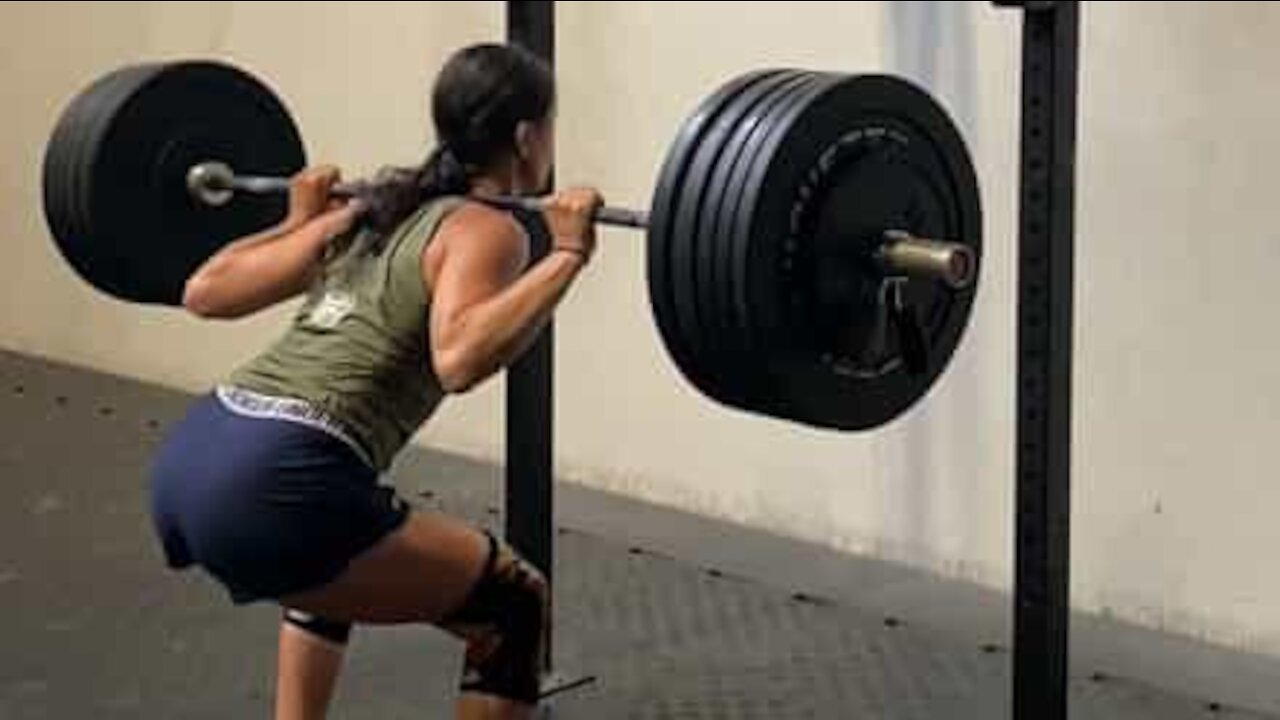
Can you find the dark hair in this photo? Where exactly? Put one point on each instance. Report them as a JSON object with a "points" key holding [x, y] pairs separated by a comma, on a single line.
{"points": [[480, 96]]}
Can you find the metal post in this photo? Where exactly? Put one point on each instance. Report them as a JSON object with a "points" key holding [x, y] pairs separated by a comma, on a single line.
{"points": [[1045, 299], [529, 472]]}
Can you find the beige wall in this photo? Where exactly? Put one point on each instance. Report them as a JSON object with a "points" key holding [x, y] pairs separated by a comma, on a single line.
{"points": [[354, 78], [911, 491], [1177, 388], [1179, 369]]}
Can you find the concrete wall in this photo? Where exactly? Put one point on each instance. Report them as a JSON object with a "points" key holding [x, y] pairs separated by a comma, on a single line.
{"points": [[1177, 387]]}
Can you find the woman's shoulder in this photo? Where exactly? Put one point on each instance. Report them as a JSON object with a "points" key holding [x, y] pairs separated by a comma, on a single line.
{"points": [[472, 218]]}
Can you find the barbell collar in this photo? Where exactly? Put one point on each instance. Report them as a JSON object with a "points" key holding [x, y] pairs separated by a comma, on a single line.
{"points": [[212, 183]]}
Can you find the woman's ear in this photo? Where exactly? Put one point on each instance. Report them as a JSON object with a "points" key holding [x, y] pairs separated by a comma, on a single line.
{"points": [[526, 139]]}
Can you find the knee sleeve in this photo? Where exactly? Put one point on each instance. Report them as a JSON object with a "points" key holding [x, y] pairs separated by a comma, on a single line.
{"points": [[505, 622], [333, 631]]}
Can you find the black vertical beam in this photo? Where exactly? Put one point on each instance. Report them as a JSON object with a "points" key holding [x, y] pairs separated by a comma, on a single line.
{"points": [[1046, 277], [529, 480]]}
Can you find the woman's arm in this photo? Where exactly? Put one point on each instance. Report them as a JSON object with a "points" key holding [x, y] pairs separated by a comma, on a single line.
{"points": [[484, 311], [260, 270]]}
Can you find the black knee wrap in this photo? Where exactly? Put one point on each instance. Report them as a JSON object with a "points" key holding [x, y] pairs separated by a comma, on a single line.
{"points": [[331, 630], [505, 623]]}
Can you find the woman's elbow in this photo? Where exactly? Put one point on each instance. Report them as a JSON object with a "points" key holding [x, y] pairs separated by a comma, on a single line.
{"points": [[457, 370], [200, 297]]}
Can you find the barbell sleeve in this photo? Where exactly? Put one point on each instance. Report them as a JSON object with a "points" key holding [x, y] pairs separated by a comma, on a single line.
{"points": [[902, 253]]}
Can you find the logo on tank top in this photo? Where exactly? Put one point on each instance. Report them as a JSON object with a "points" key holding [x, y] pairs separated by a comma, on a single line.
{"points": [[332, 309]]}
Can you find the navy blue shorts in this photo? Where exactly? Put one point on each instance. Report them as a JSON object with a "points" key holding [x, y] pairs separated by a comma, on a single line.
{"points": [[267, 506]]}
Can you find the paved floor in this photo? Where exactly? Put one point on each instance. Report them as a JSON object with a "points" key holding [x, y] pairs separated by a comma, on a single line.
{"points": [[678, 617]]}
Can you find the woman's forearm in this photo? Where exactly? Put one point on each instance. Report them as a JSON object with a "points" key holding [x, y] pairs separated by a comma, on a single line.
{"points": [[498, 331], [258, 270]]}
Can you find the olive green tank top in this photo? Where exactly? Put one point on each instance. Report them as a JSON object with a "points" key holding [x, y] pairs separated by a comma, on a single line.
{"points": [[356, 353]]}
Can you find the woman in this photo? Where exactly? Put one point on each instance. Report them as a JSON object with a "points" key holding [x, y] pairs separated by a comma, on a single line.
{"points": [[415, 290]]}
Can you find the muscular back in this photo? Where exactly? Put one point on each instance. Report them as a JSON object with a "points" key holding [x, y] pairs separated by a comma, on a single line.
{"points": [[358, 349]]}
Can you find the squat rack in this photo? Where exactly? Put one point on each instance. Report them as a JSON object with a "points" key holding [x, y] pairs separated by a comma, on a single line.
{"points": [[1046, 269]]}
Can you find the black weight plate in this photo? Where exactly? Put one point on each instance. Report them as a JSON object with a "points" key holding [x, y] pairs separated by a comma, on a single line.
{"points": [[742, 232], [83, 157], [731, 366], [737, 345], [65, 168], [881, 184], [662, 213], [190, 113], [134, 230], [868, 154], [760, 387], [661, 241], [689, 254]]}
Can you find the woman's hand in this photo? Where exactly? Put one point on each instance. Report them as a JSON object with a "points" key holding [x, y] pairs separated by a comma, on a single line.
{"points": [[570, 216], [310, 194], [311, 199]]}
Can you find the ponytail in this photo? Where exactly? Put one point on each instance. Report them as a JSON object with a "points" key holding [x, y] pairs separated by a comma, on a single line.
{"points": [[396, 193], [478, 101]]}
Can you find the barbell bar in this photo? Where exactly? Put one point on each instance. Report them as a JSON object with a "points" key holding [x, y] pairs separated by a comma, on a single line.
{"points": [[215, 183]]}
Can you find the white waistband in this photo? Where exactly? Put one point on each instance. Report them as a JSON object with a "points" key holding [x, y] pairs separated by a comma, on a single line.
{"points": [[257, 405]]}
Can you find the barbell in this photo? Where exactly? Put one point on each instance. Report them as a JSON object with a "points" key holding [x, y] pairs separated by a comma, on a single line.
{"points": [[813, 240], [216, 183]]}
